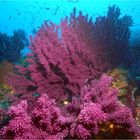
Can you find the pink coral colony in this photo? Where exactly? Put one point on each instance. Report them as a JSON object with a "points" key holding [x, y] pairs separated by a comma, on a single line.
{"points": [[63, 92]]}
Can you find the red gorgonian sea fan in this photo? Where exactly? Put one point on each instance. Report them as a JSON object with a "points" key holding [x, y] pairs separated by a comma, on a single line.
{"points": [[63, 57], [59, 64]]}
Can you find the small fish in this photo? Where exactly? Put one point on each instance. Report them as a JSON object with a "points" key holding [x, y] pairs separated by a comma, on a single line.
{"points": [[26, 12], [18, 13], [132, 10], [55, 12], [34, 6], [32, 23], [17, 10], [34, 31], [97, 14], [33, 18], [73, 1], [47, 8], [9, 17]]}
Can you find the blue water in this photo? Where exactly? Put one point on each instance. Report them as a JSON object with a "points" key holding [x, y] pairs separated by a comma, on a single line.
{"points": [[29, 14]]}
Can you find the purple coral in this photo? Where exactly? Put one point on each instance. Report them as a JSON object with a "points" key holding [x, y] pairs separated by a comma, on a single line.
{"points": [[82, 118], [62, 63], [87, 122], [48, 117], [20, 125], [99, 104], [108, 36], [63, 68], [55, 65], [44, 122]]}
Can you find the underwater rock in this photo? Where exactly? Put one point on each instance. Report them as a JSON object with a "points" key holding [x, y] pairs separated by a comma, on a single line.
{"points": [[5, 68]]}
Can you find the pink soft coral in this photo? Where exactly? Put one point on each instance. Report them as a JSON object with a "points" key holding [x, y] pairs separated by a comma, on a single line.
{"points": [[20, 127], [48, 117], [101, 93], [99, 104], [82, 118], [87, 122], [44, 122]]}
